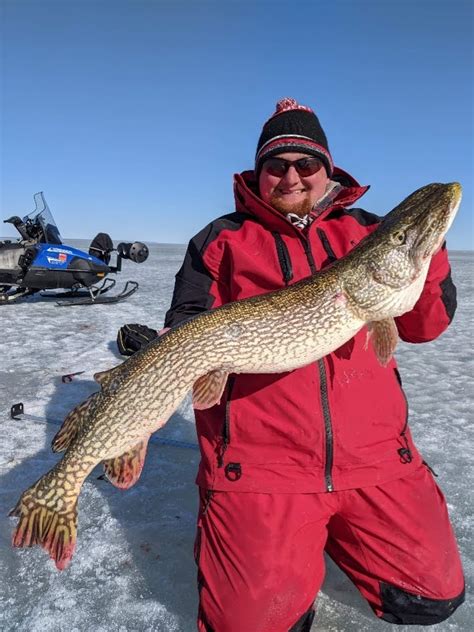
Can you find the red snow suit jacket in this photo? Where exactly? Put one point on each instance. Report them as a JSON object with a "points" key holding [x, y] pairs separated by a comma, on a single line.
{"points": [[336, 424]]}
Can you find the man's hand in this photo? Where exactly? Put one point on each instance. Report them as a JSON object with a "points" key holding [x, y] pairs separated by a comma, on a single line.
{"points": [[131, 338]]}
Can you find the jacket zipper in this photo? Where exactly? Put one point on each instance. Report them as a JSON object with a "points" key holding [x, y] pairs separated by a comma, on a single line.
{"points": [[283, 257], [226, 428], [323, 390], [326, 245], [285, 264], [309, 254], [327, 425]]}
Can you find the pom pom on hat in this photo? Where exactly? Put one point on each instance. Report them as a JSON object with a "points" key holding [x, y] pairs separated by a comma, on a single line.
{"points": [[293, 128], [287, 103]]}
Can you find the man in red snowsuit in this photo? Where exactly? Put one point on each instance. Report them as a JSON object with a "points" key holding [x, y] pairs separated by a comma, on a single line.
{"points": [[320, 458]]}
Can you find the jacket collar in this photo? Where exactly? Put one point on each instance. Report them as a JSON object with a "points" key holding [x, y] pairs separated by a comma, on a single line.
{"points": [[247, 200]]}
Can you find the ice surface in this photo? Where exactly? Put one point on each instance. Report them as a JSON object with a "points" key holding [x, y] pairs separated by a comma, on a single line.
{"points": [[133, 569]]}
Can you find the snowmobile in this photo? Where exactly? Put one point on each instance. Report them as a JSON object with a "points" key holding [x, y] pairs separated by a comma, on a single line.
{"points": [[39, 261]]}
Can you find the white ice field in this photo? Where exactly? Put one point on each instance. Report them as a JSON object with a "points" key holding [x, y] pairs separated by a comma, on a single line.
{"points": [[133, 570]]}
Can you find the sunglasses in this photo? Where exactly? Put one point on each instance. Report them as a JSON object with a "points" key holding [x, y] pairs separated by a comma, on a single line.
{"points": [[304, 166]]}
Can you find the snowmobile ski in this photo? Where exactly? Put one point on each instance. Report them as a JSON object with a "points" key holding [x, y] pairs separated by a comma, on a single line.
{"points": [[130, 288], [96, 290], [9, 297], [17, 412]]}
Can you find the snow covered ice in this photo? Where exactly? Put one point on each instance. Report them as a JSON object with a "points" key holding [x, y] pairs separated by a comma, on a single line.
{"points": [[133, 570]]}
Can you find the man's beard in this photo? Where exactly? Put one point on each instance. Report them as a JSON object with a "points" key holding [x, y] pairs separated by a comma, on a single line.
{"points": [[298, 208]]}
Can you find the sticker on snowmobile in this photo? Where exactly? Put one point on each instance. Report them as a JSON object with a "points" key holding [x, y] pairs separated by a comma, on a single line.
{"points": [[55, 260], [61, 250]]}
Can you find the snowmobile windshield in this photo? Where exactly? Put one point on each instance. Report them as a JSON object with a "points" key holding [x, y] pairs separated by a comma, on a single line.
{"points": [[40, 223]]}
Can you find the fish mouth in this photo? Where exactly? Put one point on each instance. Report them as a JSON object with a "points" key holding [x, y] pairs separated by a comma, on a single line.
{"points": [[455, 203], [436, 224]]}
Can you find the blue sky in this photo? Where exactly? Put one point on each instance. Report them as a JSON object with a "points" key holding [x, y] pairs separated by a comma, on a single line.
{"points": [[132, 116]]}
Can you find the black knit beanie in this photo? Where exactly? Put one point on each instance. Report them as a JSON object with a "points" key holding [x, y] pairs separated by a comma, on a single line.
{"points": [[292, 127]]}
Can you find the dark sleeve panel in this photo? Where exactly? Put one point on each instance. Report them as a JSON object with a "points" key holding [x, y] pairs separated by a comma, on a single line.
{"points": [[195, 284], [449, 296], [364, 218], [436, 306]]}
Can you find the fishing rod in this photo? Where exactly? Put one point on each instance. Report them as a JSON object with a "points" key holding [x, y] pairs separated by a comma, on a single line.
{"points": [[17, 412]]}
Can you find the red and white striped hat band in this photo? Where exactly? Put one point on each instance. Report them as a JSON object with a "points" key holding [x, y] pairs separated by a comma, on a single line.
{"points": [[294, 143]]}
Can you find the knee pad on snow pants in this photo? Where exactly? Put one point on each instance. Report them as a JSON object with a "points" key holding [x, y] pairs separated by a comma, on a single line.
{"points": [[302, 625], [406, 608]]}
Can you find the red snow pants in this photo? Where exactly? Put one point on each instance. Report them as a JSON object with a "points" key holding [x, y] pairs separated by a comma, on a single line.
{"points": [[260, 556]]}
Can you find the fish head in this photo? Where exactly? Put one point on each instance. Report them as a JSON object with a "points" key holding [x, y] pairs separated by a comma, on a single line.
{"points": [[386, 271], [412, 233]]}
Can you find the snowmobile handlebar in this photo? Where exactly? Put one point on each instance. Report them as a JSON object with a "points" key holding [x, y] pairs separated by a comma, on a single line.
{"points": [[26, 229], [15, 220]]}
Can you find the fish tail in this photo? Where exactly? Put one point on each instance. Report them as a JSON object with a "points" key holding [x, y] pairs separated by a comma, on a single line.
{"points": [[47, 520]]}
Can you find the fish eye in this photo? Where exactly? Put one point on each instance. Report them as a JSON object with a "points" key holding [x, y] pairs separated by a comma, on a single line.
{"points": [[399, 238]]}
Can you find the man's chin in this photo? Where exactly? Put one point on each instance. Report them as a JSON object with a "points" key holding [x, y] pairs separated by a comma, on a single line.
{"points": [[301, 208]]}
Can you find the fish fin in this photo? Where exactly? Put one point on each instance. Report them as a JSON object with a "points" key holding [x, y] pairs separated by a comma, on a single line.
{"points": [[208, 389], [124, 471], [72, 424], [384, 336], [105, 377], [42, 523]]}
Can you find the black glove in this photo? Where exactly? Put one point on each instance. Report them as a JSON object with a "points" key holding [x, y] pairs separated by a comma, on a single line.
{"points": [[131, 338]]}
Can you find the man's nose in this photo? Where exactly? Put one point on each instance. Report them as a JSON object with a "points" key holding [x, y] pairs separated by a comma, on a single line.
{"points": [[291, 176]]}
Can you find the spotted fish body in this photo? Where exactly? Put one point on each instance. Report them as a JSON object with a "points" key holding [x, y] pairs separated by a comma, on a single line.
{"points": [[271, 333]]}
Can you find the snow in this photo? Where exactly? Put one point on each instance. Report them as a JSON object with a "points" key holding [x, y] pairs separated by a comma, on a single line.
{"points": [[133, 569]]}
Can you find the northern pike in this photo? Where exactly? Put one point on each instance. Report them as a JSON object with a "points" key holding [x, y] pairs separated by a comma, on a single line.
{"points": [[381, 278]]}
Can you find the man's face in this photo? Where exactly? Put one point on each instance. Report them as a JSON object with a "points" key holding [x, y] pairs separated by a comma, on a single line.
{"points": [[292, 192]]}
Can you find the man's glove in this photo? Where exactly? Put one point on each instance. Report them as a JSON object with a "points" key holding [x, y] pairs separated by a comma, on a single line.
{"points": [[131, 338]]}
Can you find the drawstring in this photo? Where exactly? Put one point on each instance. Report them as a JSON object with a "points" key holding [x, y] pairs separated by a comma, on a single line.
{"points": [[430, 468], [405, 453], [207, 502], [320, 205], [300, 222]]}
